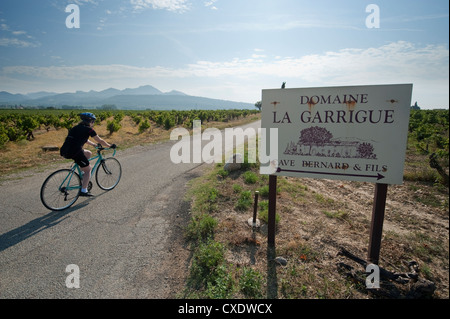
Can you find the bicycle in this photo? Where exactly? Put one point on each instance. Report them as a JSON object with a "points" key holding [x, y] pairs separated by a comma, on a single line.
{"points": [[61, 189]]}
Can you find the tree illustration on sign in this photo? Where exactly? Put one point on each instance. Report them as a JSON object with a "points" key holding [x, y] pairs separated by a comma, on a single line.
{"points": [[365, 150], [315, 136], [318, 141]]}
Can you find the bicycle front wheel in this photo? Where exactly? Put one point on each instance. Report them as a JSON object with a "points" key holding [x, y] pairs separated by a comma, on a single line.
{"points": [[108, 173], [60, 190]]}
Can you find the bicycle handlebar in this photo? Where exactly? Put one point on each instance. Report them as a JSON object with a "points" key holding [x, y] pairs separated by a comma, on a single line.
{"points": [[100, 148]]}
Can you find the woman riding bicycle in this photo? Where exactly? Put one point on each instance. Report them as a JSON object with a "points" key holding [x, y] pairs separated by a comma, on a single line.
{"points": [[73, 147]]}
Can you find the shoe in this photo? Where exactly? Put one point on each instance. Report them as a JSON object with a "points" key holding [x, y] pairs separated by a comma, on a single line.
{"points": [[87, 194]]}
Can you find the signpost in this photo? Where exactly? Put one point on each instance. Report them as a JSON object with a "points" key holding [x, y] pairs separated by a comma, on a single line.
{"points": [[356, 133]]}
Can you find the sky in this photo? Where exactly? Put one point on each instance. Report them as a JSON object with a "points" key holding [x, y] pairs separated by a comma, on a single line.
{"points": [[225, 49]]}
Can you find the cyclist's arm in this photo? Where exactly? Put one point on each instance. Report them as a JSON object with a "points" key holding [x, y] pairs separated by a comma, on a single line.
{"points": [[91, 143], [98, 139]]}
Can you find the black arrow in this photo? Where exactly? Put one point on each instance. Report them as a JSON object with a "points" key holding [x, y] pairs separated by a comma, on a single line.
{"points": [[378, 176]]}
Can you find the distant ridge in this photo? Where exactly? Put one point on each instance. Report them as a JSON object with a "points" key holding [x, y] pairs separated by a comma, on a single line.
{"points": [[143, 97]]}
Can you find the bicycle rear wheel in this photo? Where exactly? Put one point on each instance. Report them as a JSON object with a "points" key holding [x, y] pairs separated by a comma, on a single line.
{"points": [[108, 173], [60, 190]]}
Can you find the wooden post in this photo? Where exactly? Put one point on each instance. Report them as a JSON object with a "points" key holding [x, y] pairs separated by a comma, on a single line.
{"points": [[255, 208], [272, 210], [376, 227]]}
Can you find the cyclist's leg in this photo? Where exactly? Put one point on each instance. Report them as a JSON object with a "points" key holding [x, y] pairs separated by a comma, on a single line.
{"points": [[83, 161], [87, 153], [86, 176], [86, 170]]}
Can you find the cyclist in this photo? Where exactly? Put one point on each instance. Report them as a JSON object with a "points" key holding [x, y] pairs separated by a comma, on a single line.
{"points": [[73, 147]]}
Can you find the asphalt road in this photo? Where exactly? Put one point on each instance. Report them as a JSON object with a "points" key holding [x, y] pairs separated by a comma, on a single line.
{"points": [[125, 243]]}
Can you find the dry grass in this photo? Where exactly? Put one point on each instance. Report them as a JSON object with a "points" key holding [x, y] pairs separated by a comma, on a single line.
{"points": [[320, 218]]}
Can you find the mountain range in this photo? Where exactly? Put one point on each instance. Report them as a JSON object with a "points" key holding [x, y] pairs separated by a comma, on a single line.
{"points": [[143, 97]]}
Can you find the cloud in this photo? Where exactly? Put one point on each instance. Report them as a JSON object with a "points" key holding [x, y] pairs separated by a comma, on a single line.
{"points": [[427, 67], [170, 5], [13, 38], [211, 5], [82, 2], [85, 72], [19, 32], [14, 42], [395, 61]]}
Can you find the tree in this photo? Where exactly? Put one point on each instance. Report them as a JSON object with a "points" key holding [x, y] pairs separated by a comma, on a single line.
{"points": [[108, 107], [144, 126], [3, 135], [365, 150], [29, 124], [434, 163], [168, 123], [258, 105], [315, 135], [113, 126]]}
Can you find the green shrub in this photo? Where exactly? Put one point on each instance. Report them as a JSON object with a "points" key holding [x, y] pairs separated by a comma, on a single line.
{"points": [[169, 123], [237, 188], [340, 214], [250, 177], [3, 135], [263, 205], [205, 261], [264, 191], [118, 117], [113, 126], [264, 213], [205, 198], [145, 125], [220, 284], [244, 201], [223, 173], [250, 283], [201, 227]]}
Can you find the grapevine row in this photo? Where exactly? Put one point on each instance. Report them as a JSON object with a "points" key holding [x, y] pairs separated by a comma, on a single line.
{"points": [[16, 125]]}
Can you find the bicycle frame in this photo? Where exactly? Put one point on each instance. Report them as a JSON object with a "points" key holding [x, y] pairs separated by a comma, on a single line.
{"points": [[75, 167]]}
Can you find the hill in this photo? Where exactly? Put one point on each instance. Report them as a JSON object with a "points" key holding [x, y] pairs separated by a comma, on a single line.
{"points": [[143, 97]]}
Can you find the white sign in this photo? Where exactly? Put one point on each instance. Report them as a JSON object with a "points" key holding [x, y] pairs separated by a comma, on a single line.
{"points": [[354, 133]]}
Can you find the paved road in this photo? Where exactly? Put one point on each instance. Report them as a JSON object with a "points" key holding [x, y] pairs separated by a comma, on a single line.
{"points": [[126, 242]]}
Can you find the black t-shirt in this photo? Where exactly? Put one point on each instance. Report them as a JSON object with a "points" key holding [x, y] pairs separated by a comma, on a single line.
{"points": [[77, 137]]}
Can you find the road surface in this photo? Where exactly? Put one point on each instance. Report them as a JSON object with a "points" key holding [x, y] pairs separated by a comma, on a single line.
{"points": [[125, 243]]}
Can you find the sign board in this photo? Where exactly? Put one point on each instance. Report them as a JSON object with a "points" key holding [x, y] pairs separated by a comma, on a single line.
{"points": [[356, 133]]}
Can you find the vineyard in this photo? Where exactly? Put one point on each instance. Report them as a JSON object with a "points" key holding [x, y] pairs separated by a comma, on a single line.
{"points": [[16, 125], [428, 129], [24, 134], [428, 136]]}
